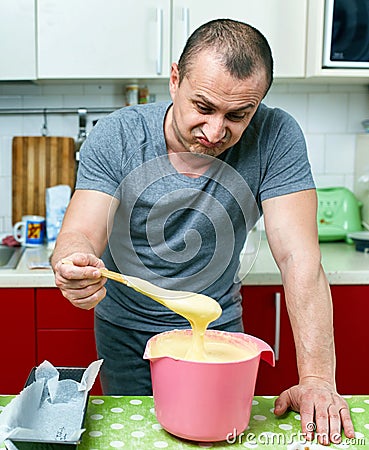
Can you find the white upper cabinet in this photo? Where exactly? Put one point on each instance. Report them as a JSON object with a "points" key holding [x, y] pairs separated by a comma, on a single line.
{"points": [[17, 40], [79, 39], [131, 39], [283, 23], [138, 39], [314, 52]]}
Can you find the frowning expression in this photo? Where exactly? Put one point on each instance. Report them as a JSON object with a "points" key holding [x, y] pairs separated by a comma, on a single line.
{"points": [[211, 109]]}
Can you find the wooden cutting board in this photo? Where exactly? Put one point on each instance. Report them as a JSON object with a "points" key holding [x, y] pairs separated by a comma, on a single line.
{"points": [[39, 162]]}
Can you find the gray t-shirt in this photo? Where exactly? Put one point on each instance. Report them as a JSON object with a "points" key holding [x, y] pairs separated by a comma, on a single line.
{"points": [[179, 232]]}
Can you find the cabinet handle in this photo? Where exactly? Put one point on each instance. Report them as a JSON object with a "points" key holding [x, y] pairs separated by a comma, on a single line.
{"points": [[159, 22], [277, 336], [186, 23]]}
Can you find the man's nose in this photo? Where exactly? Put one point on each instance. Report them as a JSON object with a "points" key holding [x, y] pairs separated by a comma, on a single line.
{"points": [[214, 128]]}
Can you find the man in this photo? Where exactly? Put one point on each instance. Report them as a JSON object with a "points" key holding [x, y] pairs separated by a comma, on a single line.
{"points": [[162, 191]]}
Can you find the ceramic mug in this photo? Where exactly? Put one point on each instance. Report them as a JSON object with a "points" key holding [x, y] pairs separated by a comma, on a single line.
{"points": [[30, 232]]}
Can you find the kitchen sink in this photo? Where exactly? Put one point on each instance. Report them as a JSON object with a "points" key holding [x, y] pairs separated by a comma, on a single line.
{"points": [[10, 256]]}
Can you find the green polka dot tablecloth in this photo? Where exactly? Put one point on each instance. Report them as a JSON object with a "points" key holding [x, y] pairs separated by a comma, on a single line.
{"points": [[130, 423]]}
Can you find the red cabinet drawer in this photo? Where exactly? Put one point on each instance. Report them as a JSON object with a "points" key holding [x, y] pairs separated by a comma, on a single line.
{"points": [[55, 311], [18, 343]]}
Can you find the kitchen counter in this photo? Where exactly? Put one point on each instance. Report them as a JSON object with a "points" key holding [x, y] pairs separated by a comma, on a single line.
{"points": [[130, 422], [24, 276], [342, 263]]}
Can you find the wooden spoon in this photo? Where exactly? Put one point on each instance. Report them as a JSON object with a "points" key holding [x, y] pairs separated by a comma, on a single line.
{"points": [[161, 295], [199, 309]]}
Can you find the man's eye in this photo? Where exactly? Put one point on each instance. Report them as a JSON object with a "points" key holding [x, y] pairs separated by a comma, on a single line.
{"points": [[236, 117], [203, 108]]}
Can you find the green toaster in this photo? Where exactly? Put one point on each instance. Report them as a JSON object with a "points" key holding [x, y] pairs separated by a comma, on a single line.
{"points": [[338, 214]]}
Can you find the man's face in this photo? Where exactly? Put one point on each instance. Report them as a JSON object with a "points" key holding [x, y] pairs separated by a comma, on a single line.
{"points": [[211, 109]]}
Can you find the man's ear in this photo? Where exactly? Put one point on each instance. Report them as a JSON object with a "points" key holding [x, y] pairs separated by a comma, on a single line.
{"points": [[174, 79]]}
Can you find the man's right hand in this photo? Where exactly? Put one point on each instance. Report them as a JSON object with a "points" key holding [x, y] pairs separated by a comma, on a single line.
{"points": [[80, 281]]}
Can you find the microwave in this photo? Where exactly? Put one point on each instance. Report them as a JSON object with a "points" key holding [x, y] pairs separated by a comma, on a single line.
{"points": [[346, 34]]}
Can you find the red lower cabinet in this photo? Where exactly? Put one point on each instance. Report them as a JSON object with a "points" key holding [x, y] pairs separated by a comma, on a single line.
{"points": [[55, 312], [263, 319], [265, 316], [65, 334], [39, 324], [17, 329], [66, 347], [351, 325]]}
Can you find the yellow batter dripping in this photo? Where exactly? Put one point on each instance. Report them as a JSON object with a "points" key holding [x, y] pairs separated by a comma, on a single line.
{"points": [[200, 310]]}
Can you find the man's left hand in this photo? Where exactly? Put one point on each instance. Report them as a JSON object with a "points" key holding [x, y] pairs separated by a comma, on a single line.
{"points": [[323, 411]]}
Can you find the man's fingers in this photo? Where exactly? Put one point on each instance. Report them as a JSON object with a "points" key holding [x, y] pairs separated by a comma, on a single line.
{"points": [[282, 404], [323, 412], [347, 424]]}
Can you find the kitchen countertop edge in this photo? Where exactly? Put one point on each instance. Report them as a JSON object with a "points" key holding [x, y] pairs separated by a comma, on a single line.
{"points": [[342, 263]]}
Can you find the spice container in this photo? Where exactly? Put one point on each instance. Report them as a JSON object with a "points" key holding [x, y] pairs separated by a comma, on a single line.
{"points": [[143, 95], [131, 94]]}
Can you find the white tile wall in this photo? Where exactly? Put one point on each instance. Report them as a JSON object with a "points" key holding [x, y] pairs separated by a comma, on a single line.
{"points": [[330, 116]]}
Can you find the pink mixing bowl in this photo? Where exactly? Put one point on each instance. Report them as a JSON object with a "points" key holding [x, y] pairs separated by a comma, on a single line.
{"points": [[205, 401]]}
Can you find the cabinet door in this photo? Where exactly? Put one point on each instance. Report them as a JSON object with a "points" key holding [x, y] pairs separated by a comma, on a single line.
{"points": [[283, 23], [55, 312], [65, 334], [17, 40], [265, 316], [351, 312], [103, 40], [75, 348], [68, 348], [18, 341]]}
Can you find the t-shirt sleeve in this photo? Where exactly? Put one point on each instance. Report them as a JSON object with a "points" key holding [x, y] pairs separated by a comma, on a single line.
{"points": [[101, 158], [285, 167]]}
